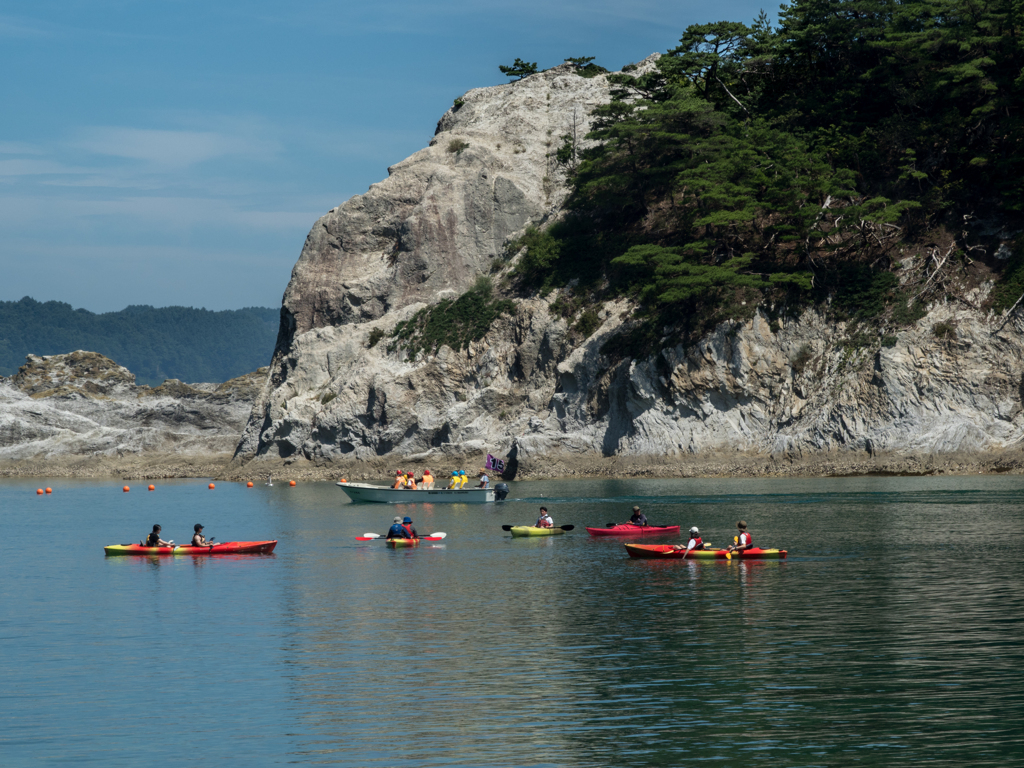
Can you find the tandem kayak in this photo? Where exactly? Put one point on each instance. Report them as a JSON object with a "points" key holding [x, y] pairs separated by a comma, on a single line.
{"points": [[393, 543], [668, 552], [628, 529], [224, 548], [532, 530]]}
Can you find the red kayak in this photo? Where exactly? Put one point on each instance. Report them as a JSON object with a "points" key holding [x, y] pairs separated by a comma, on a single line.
{"points": [[225, 548], [628, 529], [669, 552]]}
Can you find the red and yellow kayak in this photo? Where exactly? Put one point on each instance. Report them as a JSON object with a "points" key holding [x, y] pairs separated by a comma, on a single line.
{"points": [[224, 548], [628, 529], [395, 543], [668, 552]]}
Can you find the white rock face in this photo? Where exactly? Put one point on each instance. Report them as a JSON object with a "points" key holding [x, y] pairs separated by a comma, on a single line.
{"points": [[531, 388], [84, 405]]}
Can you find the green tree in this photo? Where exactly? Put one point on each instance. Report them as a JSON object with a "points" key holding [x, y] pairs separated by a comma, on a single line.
{"points": [[519, 69]]}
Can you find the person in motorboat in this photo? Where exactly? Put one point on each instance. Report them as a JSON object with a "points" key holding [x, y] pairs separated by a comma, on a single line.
{"points": [[454, 483], [463, 479], [544, 521], [427, 483], [198, 540], [695, 542], [154, 540], [744, 540], [638, 517], [485, 481], [410, 481], [399, 479]]}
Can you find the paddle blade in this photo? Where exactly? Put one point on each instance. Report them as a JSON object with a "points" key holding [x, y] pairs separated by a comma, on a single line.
{"points": [[368, 537], [437, 536], [609, 525], [567, 527], [728, 555], [506, 527]]}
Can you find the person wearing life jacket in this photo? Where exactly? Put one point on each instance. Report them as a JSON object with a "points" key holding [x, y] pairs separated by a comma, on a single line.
{"points": [[453, 484], [544, 521], [638, 517], [744, 540], [410, 481], [154, 540], [427, 483], [399, 479], [406, 530], [695, 542], [198, 540], [395, 531], [463, 479]]}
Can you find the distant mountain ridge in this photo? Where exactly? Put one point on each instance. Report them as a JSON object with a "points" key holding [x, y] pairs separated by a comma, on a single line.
{"points": [[156, 343]]}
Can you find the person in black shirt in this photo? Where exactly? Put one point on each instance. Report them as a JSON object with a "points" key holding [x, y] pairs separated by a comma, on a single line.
{"points": [[638, 517], [154, 540]]}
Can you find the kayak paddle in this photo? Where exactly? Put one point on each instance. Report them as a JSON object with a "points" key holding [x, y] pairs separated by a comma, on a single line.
{"points": [[510, 527], [428, 537]]}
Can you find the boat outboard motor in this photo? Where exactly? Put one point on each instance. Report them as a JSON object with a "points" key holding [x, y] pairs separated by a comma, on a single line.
{"points": [[500, 491]]}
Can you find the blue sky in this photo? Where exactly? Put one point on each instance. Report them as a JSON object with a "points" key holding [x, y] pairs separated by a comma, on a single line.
{"points": [[177, 152]]}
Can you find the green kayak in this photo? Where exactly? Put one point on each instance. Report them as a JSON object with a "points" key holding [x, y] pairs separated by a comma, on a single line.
{"points": [[532, 530]]}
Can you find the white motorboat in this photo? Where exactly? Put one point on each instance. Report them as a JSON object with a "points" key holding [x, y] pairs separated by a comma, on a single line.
{"points": [[364, 492]]}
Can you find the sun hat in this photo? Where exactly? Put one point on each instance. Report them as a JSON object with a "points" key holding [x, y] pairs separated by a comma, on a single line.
{"points": [[398, 520], [636, 509], [694, 530], [407, 520], [742, 524]]}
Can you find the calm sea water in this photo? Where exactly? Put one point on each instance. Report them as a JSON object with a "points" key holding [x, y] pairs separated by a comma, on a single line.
{"points": [[893, 634]]}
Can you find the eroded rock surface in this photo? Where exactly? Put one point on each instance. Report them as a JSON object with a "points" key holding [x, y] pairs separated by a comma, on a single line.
{"points": [[752, 394], [84, 405]]}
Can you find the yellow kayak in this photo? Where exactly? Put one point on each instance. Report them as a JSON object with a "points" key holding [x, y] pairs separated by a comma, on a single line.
{"points": [[532, 530]]}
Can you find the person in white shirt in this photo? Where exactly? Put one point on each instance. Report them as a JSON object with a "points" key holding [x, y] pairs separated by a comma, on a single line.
{"points": [[485, 481], [695, 542], [544, 521]]}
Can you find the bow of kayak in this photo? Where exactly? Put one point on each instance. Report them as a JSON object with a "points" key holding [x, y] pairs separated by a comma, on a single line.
{"points": [[532, 530], [669, 552], [224, 548]]}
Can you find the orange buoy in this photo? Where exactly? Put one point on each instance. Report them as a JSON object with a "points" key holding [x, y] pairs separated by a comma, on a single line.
{"points": [[152, 487], [344, 480], [249, 484], [291, 483], [49, 490], [212, 486], [39, 491], [126, 489]]}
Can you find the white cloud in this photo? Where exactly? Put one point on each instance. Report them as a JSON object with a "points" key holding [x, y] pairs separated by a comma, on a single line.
{"points": [[170, 148]]}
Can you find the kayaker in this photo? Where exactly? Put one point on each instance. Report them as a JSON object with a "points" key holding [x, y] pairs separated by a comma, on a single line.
{"points": [[744, 540], [395, 531], [198, 540], [544, 521], [408, 532], [154, 540], [638, 518], [695, 542], [485, 481]]}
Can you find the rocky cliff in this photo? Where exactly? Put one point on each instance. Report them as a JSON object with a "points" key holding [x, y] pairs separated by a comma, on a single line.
{"points": [[754, 397], [82, 414]]}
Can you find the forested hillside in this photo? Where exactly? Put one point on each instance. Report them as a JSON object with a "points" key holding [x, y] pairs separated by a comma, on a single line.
{"points": [[864, 156], [193, 345]]}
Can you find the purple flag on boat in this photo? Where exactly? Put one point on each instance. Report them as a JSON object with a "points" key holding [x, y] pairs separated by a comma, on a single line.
{"points": [[495, 465]]}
